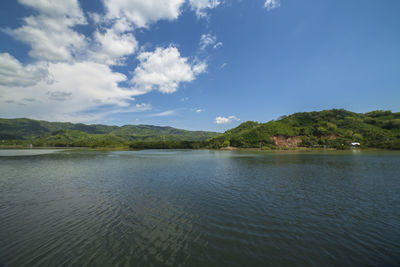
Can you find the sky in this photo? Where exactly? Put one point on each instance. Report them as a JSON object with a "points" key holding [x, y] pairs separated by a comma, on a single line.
{"points": [[196, 64]]}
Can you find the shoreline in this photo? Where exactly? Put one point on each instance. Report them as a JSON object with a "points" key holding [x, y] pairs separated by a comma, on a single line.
{"points": [[283, 149]]}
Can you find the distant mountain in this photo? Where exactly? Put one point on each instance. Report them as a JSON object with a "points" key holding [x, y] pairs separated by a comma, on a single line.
{"points": [[336, 128], [43, 133]]}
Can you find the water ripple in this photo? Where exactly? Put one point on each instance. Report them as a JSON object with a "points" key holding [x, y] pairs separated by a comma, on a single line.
{"points": [[200, 208]]}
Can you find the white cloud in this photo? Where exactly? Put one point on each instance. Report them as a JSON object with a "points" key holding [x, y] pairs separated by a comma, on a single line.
{"points": [[218, 45], [72, 79], [50, 33], [200, 6], [223, 65], [224, 120], [199, 68], [59, 95], [207, 40], [122, 25], [164, 70], [271, 4], [141, 12], [113, 46], [56, 8], [93, 86], [164, 113], [102, 115], [13, 73], [199, 110], [93, 117], [143, 106], [136, 108]]}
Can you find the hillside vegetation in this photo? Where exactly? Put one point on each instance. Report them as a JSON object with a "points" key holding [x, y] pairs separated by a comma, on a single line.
{"points": [[42, 133], [335, 128], [329, 128]]}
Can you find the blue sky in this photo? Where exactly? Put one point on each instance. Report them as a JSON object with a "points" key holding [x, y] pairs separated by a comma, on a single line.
{"points": [[196, 64]]}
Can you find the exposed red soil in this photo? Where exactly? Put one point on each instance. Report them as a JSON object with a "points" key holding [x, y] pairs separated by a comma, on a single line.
{"points": [[282, 141]]}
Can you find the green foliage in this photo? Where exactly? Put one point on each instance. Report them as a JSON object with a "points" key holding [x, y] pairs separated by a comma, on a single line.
{"points": [[335, 128], [22, 132], [226, 143], [167, 145], [73, 138]]}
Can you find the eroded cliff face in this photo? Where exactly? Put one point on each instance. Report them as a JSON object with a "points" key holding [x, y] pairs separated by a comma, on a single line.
{"points": [[294, 141], [282, 141]]}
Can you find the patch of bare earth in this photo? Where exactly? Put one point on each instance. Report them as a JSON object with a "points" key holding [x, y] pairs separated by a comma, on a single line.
{"points": [[282, 141]]}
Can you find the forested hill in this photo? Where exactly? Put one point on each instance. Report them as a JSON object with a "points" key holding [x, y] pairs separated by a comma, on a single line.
{"points": [[43, 133], [335, 128]]}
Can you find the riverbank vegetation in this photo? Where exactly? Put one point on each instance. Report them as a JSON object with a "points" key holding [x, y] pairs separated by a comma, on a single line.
{"points": [[336, 129]]}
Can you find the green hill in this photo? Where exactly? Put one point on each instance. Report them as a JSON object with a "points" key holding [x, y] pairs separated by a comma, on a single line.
{"points": [[335, 128], [43, 133]]}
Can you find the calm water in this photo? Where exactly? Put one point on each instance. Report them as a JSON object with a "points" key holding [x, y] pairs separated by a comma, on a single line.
{"points": [[26, 152], [200, 208]]}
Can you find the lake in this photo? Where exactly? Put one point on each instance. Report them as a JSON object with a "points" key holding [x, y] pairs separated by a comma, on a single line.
{"points": [[199, 208]]}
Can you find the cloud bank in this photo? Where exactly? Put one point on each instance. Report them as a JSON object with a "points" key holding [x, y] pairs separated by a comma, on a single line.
{"points": [[225, 120], [271, 4], [163, 70], [73, 74]]}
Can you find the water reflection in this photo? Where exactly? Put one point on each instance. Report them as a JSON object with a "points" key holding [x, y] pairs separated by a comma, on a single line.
{"points": [[26, 152], [200, 208]]}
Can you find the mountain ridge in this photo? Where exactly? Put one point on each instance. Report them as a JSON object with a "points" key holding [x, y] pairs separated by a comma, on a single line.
{"points": [[22, 131], [335, 128]]}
